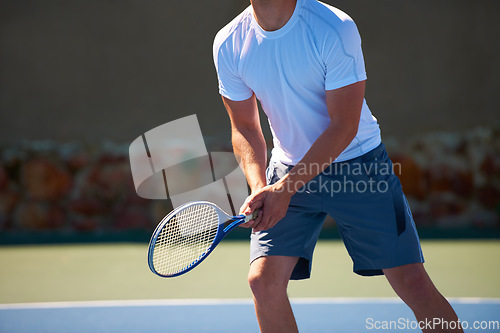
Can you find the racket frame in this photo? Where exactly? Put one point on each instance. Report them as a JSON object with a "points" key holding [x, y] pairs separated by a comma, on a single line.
{"points": [[221, 233]]}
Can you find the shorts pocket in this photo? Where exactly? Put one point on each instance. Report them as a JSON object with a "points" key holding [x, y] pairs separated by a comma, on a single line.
{"points": [[399, 210]]}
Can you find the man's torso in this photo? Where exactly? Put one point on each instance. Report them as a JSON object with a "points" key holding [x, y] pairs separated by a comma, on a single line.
{"points": [[288, 71]]}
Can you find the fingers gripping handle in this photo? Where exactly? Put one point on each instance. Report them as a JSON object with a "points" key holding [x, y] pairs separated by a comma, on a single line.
{"points": [[237, 220], [252, 216]]}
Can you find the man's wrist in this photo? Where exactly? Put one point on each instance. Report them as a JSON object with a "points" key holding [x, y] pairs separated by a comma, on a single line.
{"points": [[286, 185], [254, 188]]}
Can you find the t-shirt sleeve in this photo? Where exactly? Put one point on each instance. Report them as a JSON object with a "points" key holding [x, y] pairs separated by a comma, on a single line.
{"points": [[343, 56], [231, 85]]}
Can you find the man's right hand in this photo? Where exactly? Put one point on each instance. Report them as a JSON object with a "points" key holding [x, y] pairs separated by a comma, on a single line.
{"points": [[272, 201]]}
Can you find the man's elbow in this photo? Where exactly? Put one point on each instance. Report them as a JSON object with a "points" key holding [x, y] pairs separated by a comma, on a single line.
{"points": [[352, 132], [246, 128], [349, 130]]}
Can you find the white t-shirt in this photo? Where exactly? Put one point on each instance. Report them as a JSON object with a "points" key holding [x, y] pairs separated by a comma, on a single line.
{"points": [[290, 69]]}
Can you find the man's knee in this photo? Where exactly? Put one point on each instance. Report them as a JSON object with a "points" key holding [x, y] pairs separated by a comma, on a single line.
{"points": [[414, 281], [263, 284], [256, 280], [419, 280], [267, 280]]}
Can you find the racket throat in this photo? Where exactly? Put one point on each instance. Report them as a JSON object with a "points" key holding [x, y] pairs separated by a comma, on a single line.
{"points": [[232, 223]]}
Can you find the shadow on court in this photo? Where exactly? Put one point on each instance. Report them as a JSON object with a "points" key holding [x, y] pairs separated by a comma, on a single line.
{"points": [[206, 315]]}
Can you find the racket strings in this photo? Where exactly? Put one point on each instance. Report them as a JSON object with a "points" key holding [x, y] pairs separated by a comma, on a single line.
{"points": [[185, 238]]}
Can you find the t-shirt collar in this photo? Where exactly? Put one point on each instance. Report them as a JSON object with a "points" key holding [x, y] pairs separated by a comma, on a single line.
{"points": [[281, 31]]}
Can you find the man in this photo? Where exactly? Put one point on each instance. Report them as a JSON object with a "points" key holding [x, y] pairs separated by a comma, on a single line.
{"points": [[302, 60]]}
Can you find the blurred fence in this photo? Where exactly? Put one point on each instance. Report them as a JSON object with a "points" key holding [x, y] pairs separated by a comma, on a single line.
{"points": [[84, 192], [452, 180], [69, 189]]}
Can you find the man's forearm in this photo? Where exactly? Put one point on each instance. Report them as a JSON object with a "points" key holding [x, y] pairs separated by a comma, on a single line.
{"points": [[249, 145], [344, 107], [330, 144]]}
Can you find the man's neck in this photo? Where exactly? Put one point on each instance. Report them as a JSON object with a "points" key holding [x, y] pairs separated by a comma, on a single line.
{"points": [[272, 15]]}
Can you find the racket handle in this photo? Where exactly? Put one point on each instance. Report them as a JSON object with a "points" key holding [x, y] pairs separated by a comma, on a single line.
{"points": [[252, 216]]}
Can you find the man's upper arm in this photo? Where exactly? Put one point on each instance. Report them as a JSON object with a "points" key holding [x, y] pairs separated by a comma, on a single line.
{"points": [[243, 114], [344, 104], [231, 84], [343, 56]]}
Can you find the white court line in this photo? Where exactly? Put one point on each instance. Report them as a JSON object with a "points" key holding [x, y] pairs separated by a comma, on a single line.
{"points": [[127, 303], [386, 300], [226, 301]]}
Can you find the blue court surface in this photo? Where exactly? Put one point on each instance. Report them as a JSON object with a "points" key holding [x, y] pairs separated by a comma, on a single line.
{"points": [[236, 316]]}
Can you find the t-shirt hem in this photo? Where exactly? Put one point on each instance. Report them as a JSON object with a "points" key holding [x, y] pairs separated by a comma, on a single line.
{"points": [[236, 97], [345, 82], [363, 149], [346, 155]]}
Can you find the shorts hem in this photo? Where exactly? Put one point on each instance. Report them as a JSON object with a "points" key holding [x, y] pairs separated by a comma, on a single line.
{"points": [[378, 271], [302, 269]]}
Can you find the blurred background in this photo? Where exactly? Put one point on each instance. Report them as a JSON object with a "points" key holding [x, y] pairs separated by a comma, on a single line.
{"points": [[80, 80]]}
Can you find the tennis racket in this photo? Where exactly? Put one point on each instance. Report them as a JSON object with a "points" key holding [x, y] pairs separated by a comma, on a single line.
{"points": [[187, 235]]}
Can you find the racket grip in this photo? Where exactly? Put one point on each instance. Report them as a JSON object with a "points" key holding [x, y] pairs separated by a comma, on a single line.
{"points": [[252, 216]]}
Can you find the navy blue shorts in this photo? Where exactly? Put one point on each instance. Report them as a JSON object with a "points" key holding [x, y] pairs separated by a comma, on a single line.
{"points": [[365, 198]]}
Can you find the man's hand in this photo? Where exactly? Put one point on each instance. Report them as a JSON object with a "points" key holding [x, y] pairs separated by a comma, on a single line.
{"points": [[273, 203]]}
